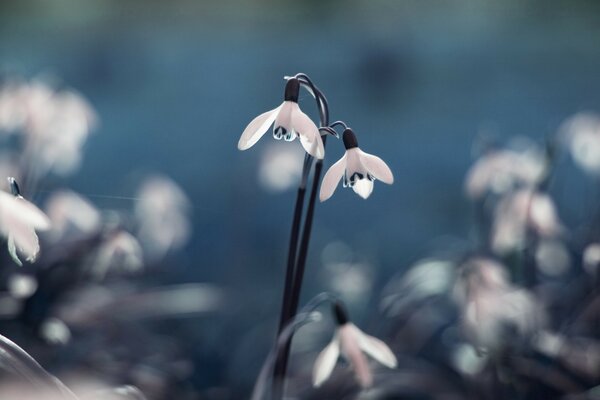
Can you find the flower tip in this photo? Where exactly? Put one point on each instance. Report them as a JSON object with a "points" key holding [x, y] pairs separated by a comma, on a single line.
{"points": [[14, 186]]}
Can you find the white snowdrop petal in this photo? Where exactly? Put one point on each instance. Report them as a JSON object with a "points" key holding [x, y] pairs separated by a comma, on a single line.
{"points": [[332, 178], [257, 128], [377, 167], [12, 250], [363, 187], [284, 119], [308, 132], [353, 163], [23, 211], [326, 362], [351, 350], [377, 349], [26, 241]]}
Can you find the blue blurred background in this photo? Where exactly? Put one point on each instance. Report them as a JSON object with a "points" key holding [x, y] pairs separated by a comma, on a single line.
{"points": [[421, 82]]}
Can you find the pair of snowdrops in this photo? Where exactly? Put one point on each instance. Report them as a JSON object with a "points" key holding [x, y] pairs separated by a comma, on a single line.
{"points": [[358, 169]]}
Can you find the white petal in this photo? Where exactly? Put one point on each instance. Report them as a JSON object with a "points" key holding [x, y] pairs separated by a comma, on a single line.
{"points": [[377, 167], [326, 362], [332, 178], [363, 187], [25, 241], [284, 118], [308, 132], [377, 349], [19, 210], [257, 128], [353, 163], [352, 352], [12, 250]]}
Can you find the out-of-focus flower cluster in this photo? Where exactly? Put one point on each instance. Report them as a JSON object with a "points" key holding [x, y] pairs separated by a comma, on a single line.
{"points": [[514, 312], [82, 287]]}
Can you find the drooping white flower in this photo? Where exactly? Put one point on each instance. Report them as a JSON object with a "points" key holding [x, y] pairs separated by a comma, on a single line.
{"points": [[71, 215], [57, 125], [288, 123], [502, 170], [352, 343], [520, 212], [19, 219], [494, 312], [162, 211], [357, 168], [120, 250]]}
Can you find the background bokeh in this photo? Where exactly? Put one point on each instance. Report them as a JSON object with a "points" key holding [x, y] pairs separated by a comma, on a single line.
{"points": [[425, 84]]}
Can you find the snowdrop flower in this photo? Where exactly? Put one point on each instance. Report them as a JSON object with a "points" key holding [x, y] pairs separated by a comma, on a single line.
{"points": [[71, 216], [120, 250], [502, 170], [288, 122], [494, 312], [163, 214], [357, 168], [520, 212], [352, 343], [19, 220]]}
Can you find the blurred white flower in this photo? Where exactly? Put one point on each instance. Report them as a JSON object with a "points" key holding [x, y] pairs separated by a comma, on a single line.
{"points": [[71, 214], [581, 134], [357, 168], [427, 278], [494, 312], [12, 110], [351, 342], [552, 257], [519, 212], [54, 124], [280, 167], [591, 258], [120, 250], [162, 211], [289, 122], [19, 219], [501, 170]]}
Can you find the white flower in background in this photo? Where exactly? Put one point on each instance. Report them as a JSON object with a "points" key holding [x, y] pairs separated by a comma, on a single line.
{"points": [[57, 125], [120, 250], [162, 212], [280, 167], [581, 134], [501, 170], [288, 122], [54, 124], [357, 168], [71, 215], [520, 212], [494, 312], [19, 220], [12, 112], [351, 342]]}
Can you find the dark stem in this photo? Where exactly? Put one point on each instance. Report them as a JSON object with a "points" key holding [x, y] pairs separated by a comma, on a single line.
{"points": [[293, 246], [295, 272], [301, 264]]}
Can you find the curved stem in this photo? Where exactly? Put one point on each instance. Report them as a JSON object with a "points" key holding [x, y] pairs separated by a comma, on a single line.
{"points": [[338, 123], [290, 306]]}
